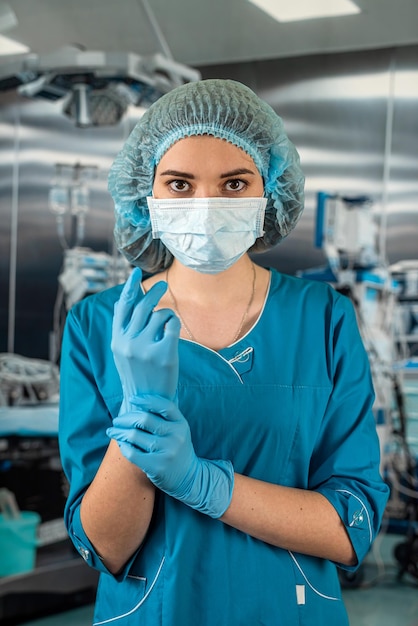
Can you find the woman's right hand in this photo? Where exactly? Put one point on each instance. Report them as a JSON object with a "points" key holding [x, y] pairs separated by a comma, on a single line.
{"points": [[145, 342]]}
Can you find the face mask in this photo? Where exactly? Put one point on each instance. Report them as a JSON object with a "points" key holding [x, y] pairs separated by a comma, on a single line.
{"points": [[207, 234]]}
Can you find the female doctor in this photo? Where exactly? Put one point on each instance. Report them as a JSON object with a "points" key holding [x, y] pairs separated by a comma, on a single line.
{"points": [[215, 423]]}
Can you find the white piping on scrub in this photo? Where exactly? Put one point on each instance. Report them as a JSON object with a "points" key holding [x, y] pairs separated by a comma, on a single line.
{"points": [[112, 619], [218, 355], [311, 586]]}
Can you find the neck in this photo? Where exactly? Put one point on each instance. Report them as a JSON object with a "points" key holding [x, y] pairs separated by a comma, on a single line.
{"points": [[200, 287], [219, 305]]}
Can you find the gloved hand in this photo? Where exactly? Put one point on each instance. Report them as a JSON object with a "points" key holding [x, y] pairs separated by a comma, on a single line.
{"points": [[145, 342], [156, 437]]}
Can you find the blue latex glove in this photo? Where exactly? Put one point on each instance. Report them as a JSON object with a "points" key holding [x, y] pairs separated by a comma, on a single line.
{"points": [[156, 437], [145, 342]]}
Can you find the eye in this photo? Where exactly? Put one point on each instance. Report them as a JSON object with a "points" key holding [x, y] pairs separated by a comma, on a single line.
{"points": [[178, 185], [235, 184]]}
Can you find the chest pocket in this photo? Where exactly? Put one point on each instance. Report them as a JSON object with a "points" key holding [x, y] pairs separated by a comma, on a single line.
{"points": [[267, 431]]}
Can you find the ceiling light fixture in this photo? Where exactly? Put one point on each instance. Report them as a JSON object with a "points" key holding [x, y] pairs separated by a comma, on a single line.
{"points": [[9, 46], [285, 11]]}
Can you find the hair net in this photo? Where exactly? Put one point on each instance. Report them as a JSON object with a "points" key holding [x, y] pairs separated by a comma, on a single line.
{"points": [[222, 108]]}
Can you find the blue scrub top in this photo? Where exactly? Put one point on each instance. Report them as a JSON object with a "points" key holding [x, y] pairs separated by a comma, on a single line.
{"points": [[290, 403]]}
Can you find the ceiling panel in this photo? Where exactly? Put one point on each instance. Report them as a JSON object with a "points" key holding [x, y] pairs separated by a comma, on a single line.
{"points": [[197, 32]]}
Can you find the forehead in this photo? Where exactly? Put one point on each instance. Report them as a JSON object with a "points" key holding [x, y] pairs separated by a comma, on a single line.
{"points": [[205, 148]]}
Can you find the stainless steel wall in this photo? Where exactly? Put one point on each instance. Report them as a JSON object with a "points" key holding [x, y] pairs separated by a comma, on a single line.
{"points": [[353, 118]]}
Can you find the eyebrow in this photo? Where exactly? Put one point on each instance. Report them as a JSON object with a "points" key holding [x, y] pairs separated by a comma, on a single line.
{"points": [[238, 172], [177, 174]]}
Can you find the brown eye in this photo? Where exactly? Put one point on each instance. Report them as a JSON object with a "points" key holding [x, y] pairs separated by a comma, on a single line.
{"points": [[179, 185], [235, 185]]}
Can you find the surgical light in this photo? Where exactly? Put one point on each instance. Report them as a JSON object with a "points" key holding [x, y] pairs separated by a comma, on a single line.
{"points": [[96, 87], [99, 107]]}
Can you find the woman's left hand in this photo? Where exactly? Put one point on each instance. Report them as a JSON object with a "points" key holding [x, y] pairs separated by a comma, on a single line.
{"points": [[156, 437]]}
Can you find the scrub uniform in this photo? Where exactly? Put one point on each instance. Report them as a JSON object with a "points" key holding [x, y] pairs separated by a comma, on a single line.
{"points": [[289, 403]]}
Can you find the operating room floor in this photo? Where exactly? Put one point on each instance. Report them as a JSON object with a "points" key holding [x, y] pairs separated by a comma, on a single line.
{"points": [[381, 600]]}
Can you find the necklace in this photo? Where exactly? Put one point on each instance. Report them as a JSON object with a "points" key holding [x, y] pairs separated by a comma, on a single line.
{"points": [[187, 329]]}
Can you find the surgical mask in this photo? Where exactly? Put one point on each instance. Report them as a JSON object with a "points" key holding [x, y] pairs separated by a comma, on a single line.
{"points": [[207, 234]]}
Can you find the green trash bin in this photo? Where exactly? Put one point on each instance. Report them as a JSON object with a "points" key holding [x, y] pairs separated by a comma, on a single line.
{"points": [[18, 543]]}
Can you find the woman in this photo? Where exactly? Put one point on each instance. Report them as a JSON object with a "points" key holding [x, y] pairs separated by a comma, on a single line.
{"points": [[216, 425]]}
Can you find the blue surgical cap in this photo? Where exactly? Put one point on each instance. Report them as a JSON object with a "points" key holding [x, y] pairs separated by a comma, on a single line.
{"points": [[222, 108]]}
